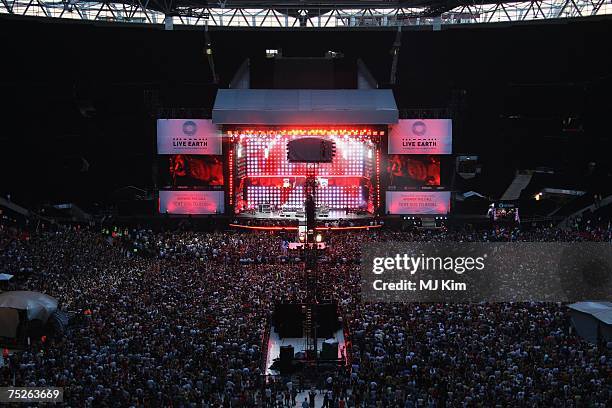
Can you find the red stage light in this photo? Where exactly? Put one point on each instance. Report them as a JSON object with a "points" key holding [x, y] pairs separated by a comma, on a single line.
{"points": [[260, 171], [231, 175], [251, 227], [307, 131]]}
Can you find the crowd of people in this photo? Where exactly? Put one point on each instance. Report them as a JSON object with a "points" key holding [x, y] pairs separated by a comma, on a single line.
{"points": [[180, 318]]}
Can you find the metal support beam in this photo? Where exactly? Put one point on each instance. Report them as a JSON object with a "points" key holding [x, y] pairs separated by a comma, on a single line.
{"points": [[395, 50], [299, 15], [209, 55], [168, 23]]}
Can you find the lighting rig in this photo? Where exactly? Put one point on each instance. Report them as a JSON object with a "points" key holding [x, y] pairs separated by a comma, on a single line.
{"points": [[311, 151]]}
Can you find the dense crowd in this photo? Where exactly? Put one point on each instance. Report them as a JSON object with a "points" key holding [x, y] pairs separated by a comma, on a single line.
{"points": [[179, 318]]}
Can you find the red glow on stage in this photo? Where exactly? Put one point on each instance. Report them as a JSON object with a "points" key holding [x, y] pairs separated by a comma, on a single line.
{"points": [[262, 228], [377, 177], [267, 177], [306, 132], [231, 176]]}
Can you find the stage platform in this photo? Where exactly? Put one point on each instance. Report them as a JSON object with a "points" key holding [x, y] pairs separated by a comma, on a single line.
{"points": [[299, 345], [333, 215]]}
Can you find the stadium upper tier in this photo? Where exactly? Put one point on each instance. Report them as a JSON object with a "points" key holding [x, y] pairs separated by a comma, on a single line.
{"points": [[306, 14]]}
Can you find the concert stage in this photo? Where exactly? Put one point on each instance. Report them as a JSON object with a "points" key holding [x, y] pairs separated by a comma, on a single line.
{"points": [[299, 344], [263, 149], [333, 215], [269, 185], [290, 348]]}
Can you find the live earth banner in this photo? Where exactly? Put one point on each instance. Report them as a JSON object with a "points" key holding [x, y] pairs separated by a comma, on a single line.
{"points": [[486, 272], [418, 202], [421, 136], [191, 202], [188, 136]]}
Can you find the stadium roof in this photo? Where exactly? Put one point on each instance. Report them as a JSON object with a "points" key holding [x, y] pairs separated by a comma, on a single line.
{"points": [[300, 106], [306, 13]]}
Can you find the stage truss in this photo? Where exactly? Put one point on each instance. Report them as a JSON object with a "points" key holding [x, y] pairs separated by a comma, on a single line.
{"points": [[341, 14]]}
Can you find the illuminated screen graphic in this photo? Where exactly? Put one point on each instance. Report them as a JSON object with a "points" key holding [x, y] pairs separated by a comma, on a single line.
{"points": [[421, 136], [183, 170], [265, 176], [413, 171], [191, 202], [188, 136], [418, 202]]}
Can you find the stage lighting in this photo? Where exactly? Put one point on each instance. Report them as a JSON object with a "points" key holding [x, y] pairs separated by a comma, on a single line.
{"points": [[333, 54], [272, 53]]}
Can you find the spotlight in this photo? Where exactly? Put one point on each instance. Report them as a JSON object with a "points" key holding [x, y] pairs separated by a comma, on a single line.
{"points": [[333, 54], [272, 53]]}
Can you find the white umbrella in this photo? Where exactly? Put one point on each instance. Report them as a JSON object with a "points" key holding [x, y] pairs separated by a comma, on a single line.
{"points": [[38, 305], [5, 277]]}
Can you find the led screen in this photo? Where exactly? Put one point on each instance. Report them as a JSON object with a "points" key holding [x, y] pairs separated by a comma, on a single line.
{"points": [[418, 202], [183, 170], [266, 155], [265, 175], [413, 171], [421, 136], [191, 202], [188, 136]]}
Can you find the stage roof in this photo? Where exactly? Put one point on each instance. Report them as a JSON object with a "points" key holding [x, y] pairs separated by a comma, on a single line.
{"points": [[305, 107]]}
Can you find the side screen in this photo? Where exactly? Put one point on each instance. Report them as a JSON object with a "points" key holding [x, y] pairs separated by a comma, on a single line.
{"points": [[418, 202], [191, 202], [184, 170]]}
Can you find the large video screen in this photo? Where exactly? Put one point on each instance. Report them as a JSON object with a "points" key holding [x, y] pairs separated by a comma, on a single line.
{"points": [[184, 170], [266, 155], [188, 136], [418, 202], [411, 171], [267, 177], [191, 202], [421, 136], [289, 192]]}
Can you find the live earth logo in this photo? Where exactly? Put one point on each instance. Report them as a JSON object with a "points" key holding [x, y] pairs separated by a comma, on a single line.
{"points": [[190, 128], [419, 128], [413, 142]]}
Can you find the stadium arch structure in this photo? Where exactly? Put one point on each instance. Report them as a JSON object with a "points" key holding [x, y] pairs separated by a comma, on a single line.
{"points": [[346, 14]]}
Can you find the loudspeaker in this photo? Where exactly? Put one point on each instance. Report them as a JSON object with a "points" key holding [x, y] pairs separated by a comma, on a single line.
{"points": [[329, 351], [286, 356], [311, 150]]}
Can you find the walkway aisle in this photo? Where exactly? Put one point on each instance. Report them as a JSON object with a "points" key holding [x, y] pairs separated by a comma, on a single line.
{"points": [[304, 394]]}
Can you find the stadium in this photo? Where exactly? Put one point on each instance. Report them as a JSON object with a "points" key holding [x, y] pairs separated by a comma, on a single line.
{"points": [[250, 203]]}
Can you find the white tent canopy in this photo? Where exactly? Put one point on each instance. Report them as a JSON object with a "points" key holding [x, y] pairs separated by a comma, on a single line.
{"points": [[37, 306], [592, 320]]}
